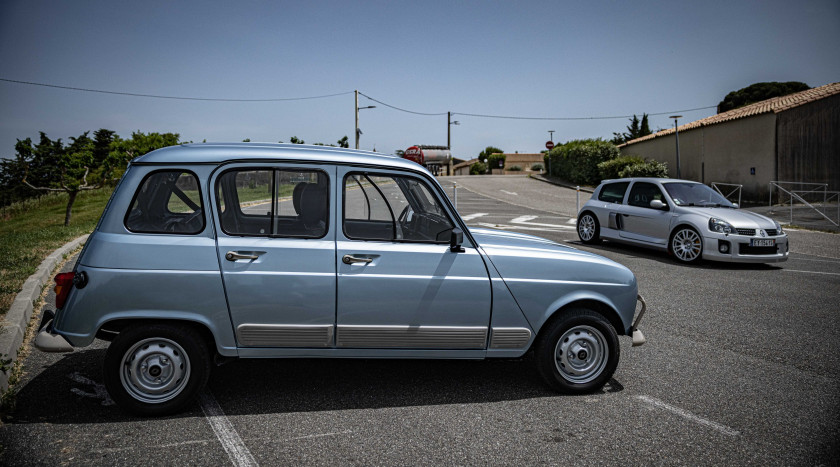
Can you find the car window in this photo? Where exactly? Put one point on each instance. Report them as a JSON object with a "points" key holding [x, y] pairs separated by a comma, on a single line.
{"points": [[613, 192], [393, 208], [643, 193], [273, 202], [168, 201]]}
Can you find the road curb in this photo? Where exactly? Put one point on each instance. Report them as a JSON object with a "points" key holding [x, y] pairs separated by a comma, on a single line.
{"points": [[18, 316], [545, 179]]}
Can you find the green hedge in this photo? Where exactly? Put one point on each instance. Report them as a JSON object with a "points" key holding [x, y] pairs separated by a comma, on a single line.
{"points": [[493, 161], [645, 169], [612, 168], [478, 168], [577, 161]]}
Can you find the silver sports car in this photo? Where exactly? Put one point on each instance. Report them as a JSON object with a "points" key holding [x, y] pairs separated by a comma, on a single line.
{"points": [[685, 218]]}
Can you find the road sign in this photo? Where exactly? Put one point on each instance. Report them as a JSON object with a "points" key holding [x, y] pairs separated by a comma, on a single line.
{"points": [[549, 145]]}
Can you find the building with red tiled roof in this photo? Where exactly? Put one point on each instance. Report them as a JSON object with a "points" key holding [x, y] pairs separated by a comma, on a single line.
{"points": [[793, 138]]}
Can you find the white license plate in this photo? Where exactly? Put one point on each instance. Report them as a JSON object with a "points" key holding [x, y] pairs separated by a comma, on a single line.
{"points": [[762, 242]]}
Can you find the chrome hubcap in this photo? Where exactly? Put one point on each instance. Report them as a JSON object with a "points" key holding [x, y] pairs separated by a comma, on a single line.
{"points": [[581, 354], [155, 370], [686, 245], [586, 227]]}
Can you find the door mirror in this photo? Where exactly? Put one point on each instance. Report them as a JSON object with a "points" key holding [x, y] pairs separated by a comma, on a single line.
{"points": [[656, 204], [456, 238]]}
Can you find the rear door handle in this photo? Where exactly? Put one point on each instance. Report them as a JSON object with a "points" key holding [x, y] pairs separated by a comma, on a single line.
{"points": [[347, 259], [233, 256]]}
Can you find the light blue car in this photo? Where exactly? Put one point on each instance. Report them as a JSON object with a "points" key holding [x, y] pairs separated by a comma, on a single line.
{"points": [[214, 251]]}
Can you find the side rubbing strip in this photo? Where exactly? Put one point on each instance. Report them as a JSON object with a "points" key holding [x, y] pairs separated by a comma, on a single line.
{"points": [[273, 335], [509, 338], [411, 337]]}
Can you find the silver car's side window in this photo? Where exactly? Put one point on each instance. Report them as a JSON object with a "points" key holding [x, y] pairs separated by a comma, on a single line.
{"points": [[167, 202], [273, 203], [613, 192], [643, 193], [393, 208]]}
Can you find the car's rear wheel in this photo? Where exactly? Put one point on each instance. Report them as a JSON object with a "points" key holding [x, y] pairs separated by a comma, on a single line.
{"points": [[578, 352], [156, 369], [686, 245], [588, 229]]}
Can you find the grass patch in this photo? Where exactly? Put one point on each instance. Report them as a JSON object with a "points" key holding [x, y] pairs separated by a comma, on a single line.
{"points": [[32, 230]]}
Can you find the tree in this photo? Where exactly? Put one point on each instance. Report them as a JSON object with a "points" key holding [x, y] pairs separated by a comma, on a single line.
{"points": [[758, 92], [483, 155], [637, 129], [344, 142], [295, 140]]}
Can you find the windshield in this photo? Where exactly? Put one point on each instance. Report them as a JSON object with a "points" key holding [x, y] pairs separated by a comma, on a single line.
{"points": [[695, 194]]}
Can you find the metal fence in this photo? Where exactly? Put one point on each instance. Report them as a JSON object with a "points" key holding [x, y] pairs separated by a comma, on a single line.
{"points": [[812, 197], [736, 189]]}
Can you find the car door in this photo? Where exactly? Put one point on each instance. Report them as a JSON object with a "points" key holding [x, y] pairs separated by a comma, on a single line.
{"points": [[276, 248], [400, 286], [641, 222]]}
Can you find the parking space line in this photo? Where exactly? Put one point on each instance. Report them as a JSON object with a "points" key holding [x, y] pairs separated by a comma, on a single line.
{"points": [[688, 415], [235, 448], [812, 272]]}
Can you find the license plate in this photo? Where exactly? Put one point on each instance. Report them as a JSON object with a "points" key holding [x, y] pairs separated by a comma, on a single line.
{"points": [[762, 242]]}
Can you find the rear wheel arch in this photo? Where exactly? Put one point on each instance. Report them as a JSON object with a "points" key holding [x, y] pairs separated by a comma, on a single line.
{"points": [[109, 330]]}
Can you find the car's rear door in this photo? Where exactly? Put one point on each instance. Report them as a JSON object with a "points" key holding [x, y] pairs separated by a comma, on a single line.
{"points": [[641, 222]]}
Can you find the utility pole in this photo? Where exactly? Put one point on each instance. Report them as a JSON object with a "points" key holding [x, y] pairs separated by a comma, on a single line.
{"points": [[359, 130], [677, 136], [449, 124]]}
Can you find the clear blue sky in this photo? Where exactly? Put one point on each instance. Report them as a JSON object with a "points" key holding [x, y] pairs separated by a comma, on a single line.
{"points": [[525, 58]]}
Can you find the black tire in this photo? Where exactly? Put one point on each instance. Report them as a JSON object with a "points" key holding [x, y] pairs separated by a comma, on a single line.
{"points": [[686, 245], [589, 348], [588, 228], [156, 369]]}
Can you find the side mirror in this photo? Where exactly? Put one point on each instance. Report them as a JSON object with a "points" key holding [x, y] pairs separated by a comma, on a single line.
{"points": [[736, 205], [656, 204], [456, 238]]}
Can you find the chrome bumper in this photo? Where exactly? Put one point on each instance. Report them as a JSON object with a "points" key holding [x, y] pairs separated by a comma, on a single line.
{"points": [[638, 337], [47, 340]]}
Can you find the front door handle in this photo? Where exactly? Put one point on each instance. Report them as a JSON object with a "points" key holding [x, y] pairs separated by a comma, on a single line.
{"points": [[347, 259], [233, 256]]}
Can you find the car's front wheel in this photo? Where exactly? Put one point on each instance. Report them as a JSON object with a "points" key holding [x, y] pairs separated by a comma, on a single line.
{"points": [[686, 245], [578, 352], [156, 369], [588, 229]]}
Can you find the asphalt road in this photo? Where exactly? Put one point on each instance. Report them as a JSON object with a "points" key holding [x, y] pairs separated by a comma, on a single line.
{"points": [[741, 367]]}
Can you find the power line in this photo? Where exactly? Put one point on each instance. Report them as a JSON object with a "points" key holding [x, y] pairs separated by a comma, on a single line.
{"points": [[401, 110], [578, 118], [134, 94]]}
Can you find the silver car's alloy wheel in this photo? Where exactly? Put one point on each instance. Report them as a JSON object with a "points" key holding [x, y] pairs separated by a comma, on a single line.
{"points": [[581, 354], [687, 245], [586, 227], [155, 370]]}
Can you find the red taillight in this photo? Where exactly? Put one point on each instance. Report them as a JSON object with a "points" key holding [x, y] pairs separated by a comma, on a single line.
{"points": [[63, 284]]}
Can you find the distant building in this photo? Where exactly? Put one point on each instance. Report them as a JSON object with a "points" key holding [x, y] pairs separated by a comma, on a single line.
{"points": [[793, 138]]}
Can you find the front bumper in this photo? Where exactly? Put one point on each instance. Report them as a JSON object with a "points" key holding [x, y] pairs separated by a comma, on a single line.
{"points": [[737, 249], [49, 341], [638, 337]]}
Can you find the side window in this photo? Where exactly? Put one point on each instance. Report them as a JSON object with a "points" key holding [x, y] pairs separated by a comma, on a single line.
{"points": [[643, 193], [168, 201], [613, 192], [393, 208], [273, 203]]}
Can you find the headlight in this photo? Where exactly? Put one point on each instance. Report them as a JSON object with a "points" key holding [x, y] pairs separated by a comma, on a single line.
{"points": [[720, 226], [779, 230]]}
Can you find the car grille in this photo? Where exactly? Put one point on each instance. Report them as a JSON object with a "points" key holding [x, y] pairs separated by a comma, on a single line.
{"points": [[746, 249], [771, 232], [749, 232]]}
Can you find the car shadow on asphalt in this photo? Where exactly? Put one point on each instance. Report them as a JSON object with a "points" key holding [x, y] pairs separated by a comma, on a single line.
{"points": [[271, 386], [667, 258]]}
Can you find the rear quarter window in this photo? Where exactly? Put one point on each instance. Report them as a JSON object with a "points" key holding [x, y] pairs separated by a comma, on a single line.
{"points": [[613, 192], [167, 202]]}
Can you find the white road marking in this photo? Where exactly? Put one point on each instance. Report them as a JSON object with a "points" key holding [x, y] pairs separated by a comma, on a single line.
{"points": [[521, 227], [321, 435], [688, 415], [473, 216], [510, 192], [526, 220], [813, 272], [270, 439], [234, 446], [99, 391]]}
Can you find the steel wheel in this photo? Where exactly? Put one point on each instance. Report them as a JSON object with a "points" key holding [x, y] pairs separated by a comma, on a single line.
{"points": [[155, 370], [587, 228], [687, 245], [581, 354]]}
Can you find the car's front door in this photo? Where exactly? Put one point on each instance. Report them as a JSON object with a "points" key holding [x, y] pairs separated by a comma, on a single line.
{"points": [[400, 286], [640, 221], [276, 248]]}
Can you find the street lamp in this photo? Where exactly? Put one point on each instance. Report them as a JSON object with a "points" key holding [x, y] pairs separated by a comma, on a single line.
{"points": [[449, 124], [358, 130], [677, 136], [550, 138]]}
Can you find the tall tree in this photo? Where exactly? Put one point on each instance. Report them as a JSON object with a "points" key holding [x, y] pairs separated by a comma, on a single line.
{"points": [[636, 129], [344, 142], [758, 92], [483, 155]]}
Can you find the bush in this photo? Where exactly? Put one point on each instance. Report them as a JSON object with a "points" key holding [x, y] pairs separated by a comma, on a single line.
{"points": [[612, 168], [537, 167], [478, 168], [515, 168], [645, 169], [577, 161], [493, 161]]}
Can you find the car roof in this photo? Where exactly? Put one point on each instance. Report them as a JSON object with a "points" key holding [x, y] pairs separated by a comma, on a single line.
{"points": [[649, 179], [217, 153]]}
